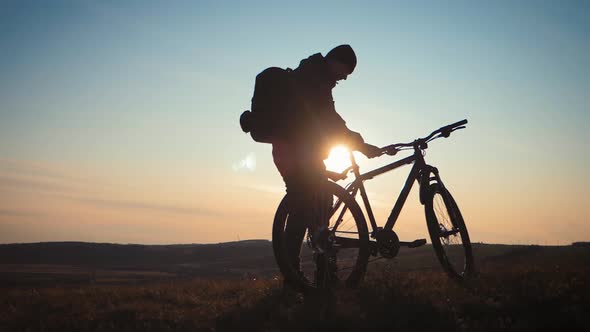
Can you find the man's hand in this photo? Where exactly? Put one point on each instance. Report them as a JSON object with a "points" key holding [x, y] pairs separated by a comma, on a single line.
{"points": [[357, 142], [335, 176], [371, 151]]}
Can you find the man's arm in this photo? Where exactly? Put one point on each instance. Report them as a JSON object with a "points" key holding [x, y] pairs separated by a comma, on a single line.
{"points": [[339, 129]]}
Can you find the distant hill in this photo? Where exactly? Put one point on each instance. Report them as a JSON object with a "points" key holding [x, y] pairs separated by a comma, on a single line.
{"points": [[179, 259], [31, 263]]}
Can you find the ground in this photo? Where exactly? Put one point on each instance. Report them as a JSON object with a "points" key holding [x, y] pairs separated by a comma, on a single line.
{"points": [[522, 288]]}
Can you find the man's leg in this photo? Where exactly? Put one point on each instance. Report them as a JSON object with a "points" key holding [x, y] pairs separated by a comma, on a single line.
{"points": [[294, 236], [309, 206], [320, 205], [298, 219]]}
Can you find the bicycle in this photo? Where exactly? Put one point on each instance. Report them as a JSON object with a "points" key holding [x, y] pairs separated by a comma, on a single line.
{"points": [[351, 241]]}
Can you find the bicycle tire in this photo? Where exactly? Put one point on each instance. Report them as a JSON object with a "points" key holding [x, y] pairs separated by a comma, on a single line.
{"points": [[351, 270], [448, 233]]}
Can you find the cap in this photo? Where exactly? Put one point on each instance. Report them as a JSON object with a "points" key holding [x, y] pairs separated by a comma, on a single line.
{"points": [[344, 54]]}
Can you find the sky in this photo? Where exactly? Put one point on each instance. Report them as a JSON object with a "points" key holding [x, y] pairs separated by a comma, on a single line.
{"points": [[119, 120]]}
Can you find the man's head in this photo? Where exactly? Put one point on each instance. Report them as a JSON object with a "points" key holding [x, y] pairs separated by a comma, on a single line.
{"points": [[341, 60]]}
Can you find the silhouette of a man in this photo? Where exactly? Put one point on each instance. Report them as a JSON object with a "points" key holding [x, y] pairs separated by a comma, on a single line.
{"points": [[316, 127]]}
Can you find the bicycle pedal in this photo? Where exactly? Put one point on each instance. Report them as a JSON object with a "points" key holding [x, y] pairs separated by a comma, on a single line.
{"points": [[417, 243]]}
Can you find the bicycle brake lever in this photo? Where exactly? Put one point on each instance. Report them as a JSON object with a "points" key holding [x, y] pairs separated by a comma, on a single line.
{"points": [[446, 133]]}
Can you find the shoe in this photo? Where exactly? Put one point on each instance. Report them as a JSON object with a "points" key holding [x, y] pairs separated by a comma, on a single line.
{"points": [[326, 270], [332, 269], [291, 293]]}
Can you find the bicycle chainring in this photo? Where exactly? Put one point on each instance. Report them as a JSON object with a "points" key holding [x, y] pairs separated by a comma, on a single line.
{"points": [[387, 243]]}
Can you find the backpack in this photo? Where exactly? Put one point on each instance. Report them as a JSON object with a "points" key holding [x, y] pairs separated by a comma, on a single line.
{"points": [[273, 105]]}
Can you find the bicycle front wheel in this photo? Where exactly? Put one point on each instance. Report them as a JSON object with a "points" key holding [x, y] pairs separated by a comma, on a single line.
{"points": [[348, 230], [448, 233]]}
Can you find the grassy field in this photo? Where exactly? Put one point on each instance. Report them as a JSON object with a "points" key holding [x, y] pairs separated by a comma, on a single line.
{"points": [[518, 288]]}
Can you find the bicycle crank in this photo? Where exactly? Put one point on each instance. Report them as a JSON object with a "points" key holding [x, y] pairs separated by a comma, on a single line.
{"points": [[387, 243]]}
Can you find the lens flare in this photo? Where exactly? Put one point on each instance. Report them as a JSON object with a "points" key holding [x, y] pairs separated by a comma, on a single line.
{"points": [[339, 159], [246, 164]]}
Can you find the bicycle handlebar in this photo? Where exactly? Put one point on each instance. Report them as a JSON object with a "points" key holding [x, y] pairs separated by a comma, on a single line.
{"points": [[446, 130], [442, 132]]}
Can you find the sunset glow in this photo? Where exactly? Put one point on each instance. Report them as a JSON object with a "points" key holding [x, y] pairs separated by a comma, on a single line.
{"points": [[119, 120], [339, 159]]}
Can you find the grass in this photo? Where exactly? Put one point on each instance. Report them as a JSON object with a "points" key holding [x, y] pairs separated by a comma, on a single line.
{"points": [[175, 305], [531, 288]]}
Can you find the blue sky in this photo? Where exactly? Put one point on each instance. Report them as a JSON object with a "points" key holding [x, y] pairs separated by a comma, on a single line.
{"points": [[126, 114]]}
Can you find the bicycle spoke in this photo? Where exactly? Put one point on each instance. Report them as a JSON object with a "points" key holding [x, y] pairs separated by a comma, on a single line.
{"points": [[345, 247], [449, 233], [349, 228], [342, 223]]}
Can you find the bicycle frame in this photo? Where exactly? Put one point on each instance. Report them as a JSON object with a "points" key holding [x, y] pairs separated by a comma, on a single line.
{"points": [[420, 172]]}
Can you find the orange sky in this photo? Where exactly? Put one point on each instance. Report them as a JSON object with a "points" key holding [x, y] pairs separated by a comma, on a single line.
{"points": [[119, 122]]}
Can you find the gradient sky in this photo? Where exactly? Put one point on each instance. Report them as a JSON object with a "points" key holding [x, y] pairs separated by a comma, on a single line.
{"points": [[119, 120]]}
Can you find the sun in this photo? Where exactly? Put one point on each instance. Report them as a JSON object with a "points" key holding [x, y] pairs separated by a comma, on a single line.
{"points": [[339, 159]]}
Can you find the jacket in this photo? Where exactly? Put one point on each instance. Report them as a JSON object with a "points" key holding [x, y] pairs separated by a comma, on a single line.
{"points": [[316, 126]]}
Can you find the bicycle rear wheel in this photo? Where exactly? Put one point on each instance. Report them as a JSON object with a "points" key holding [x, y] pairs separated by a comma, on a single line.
{"points": [[448, 233], [347, 261]]}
